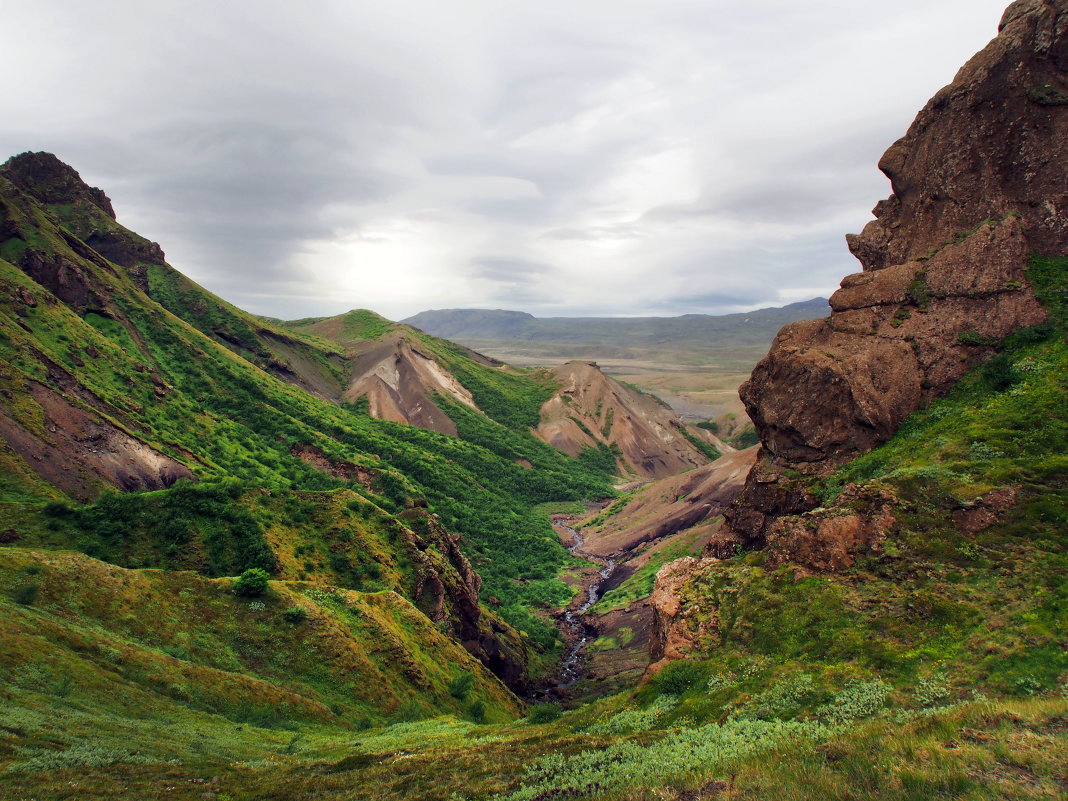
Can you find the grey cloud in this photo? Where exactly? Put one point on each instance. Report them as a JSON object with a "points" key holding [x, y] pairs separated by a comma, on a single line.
{"points": [[248, 142], [508, 270]]}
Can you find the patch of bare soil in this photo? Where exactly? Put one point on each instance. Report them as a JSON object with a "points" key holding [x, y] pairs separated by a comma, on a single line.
{"points": [[78, 450], [671, 505]]}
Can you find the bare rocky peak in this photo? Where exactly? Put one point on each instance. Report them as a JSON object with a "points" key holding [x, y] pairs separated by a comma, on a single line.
{"points": [[49, 180], [992, 142], [979, 182], [591, 409]]}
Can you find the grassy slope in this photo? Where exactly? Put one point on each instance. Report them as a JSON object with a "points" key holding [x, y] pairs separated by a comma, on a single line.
{"points": [[264, 343], [876, 683], [224, 417]]}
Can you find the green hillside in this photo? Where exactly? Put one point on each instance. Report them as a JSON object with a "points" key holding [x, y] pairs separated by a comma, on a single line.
{"points": [[99, 374], [158, 444]]}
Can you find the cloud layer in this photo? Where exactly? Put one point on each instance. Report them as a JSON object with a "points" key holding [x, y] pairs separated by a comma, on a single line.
{"points": [[559, 158]]}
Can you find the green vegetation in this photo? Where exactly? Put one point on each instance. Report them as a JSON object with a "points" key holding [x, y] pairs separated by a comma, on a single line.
{"points": [[252, 583], [243, 433], [133, 664], [1047, 95], [702, 447]]}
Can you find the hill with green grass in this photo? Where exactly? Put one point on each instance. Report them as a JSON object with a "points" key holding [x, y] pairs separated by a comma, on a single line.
{"points": [[220, 578], [120, 376]]}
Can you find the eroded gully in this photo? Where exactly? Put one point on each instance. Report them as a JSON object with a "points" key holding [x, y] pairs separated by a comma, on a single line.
{"points": [[575, 624]]}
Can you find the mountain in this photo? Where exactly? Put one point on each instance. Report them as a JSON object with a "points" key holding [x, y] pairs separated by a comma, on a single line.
{"points": [[124, 375], [219, 579], [757, 326], [590, 410], [400, 371]]}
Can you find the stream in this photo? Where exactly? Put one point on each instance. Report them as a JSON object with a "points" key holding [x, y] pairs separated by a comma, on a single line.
{"points": [[576, 629]]}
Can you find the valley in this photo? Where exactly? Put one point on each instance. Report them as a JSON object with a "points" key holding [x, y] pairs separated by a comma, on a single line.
{"points": [[816, 552]]}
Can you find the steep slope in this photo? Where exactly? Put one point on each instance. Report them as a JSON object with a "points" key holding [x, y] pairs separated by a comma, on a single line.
{"points": [[399, 381], [150, 639], [945, 265], [406, 376], [671, 505], [102, 387], [88, 214], [590, 410]]}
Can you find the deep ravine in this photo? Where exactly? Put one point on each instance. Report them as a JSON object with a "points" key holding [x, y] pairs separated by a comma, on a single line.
{"points": [[575, 624]]}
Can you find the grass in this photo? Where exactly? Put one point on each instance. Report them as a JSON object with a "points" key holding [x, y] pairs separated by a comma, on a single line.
{"points": [[935, 668]]}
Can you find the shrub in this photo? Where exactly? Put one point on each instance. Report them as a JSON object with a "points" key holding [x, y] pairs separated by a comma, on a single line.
{"points": [[477, 711], [461, 685], [295, 614], [252, 583], [26, 594], [544, 713], [679, 677]]}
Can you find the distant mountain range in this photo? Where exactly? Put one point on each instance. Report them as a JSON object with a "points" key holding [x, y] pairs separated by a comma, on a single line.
{"points": [[748, 328]]}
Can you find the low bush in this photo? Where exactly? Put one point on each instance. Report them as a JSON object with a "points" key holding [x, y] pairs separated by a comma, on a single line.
{"points": [[461, 685], [252, 583], [295, 614], [26, 594]]}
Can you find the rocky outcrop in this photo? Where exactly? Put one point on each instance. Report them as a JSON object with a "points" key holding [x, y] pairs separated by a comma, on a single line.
{"points": [[676, 628], [979, 182], [832, 388], [591, 409], [992, 142], [446, 591], [48, 180]]}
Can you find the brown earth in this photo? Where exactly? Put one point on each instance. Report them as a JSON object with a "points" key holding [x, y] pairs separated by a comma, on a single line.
{"points": [[77, 450], [680, 514], [398, 381], [590, 408], [671, 505]]}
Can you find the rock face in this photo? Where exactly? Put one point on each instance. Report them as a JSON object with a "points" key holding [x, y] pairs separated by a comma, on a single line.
{"points": [[49, 180], [446, 591], [979, 182], [993, 141], [399, 382], [675, 628]]}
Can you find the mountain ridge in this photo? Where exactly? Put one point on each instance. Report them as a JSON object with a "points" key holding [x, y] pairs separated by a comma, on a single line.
{"points": [[496, 324]]}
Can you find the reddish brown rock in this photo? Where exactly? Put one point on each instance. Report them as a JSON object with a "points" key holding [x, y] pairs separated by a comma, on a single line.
{"points": [[831, 539], [980, 181], [992, 142], [674, 633], [446, 590], [984, 512]]}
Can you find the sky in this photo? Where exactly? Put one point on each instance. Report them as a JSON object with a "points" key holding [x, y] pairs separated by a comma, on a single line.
{"points": [[588, 157]]}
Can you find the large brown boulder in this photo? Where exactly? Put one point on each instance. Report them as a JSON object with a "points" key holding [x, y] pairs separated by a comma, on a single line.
{"points": [[979, 182]]}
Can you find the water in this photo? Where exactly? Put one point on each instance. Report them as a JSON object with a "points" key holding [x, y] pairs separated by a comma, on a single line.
{"points": [[574, 622]]}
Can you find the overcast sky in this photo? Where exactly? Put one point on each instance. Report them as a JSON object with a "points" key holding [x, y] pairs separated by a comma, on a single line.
{"points": [[563, 158]]}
